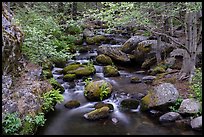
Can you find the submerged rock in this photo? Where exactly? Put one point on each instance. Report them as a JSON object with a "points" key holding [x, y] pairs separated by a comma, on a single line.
{"points": [[129, 104], [72, 104], [135, 80], [169, 117], [97, 113]]}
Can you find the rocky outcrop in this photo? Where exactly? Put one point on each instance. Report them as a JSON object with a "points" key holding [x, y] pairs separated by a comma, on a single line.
{"points": [[114, 52], [131, 43]]}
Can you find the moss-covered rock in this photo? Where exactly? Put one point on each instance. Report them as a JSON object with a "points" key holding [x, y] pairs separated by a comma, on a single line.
{"points": [[97, 113], [103, 59], [102, 104], [110, 71], [148, 63], [59, 62], [98, 90], [135, 80], [158, 69], [72, 104], [70, 68], [83, 49], [47, 65], [95, 39], [85, 71], [47, 74], [129, 104], [69, 77], [56, 85]]}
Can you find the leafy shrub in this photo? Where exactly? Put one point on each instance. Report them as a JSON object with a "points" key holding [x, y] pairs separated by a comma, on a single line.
{"points": [[104, 91], [11, 124], [50, 99], [176, 105], [196, 86]]}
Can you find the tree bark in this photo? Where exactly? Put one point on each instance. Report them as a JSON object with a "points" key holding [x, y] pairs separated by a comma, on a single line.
{"points": [[74, 10], [158, 49]]}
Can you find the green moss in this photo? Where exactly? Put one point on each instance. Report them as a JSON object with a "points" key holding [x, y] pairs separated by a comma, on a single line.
{"points": [[135, 80], [95, 39], [46, 74], [143, 49], [158, 69], [129, 104], [47, 65], [145, 101], [148, 62], [71, 67], [69, 77], [56, 85], [59, 62], [28, 128], [110, 71], [103, 59]]}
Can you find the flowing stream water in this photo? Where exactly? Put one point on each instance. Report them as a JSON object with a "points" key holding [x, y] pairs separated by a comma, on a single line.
{"points": [[64, 121]]}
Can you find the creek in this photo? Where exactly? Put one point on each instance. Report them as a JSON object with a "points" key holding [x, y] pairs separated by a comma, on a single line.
{"points": [[64, 121]]}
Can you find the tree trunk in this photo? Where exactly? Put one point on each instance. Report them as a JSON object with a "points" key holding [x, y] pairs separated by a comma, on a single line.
{"points": [[189, 60], [158, 49], [74, 10]]}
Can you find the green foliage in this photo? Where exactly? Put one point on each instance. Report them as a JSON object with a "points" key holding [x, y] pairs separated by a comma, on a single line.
{"points": [[73, 27], [196, 86], [42, 36], [50, 99], [104, 91], [87, 81], [176, 105], [11, 124]]}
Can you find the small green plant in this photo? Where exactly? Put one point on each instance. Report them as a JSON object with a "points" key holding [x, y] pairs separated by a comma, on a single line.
{"points": [[11, 124], [87, 81], [104, 91], [196, 86], [50, 99], [176, 105]]}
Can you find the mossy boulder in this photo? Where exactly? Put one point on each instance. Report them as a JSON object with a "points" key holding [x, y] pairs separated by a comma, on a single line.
{"points": [[47, 74], [160, 97], [158, 69], [59, 62], [102, 104], [72, 104], [69, 77], [95, 39], [98, 90], [97, 113], [56, 85], [148, 63], [131, 43], [129, 104], [83, 49], [85, 71], [71, 67], [103, 59], [79, 70], [110, 71], [135, 80]]}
